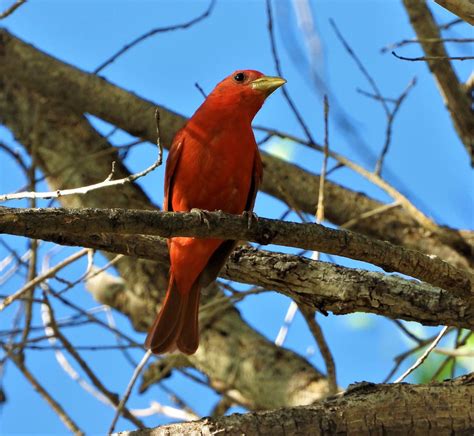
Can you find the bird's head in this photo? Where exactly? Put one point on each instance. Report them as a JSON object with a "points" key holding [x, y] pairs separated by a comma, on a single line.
{"points": [[244, 90]]}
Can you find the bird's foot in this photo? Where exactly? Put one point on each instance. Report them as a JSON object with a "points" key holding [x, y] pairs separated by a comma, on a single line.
{"points": [[252, 217], [203, 216]]}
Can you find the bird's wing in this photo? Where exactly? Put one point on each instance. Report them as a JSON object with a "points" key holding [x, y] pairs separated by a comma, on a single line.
{"points": [[219, 257], [171, 164], [255, 182]]}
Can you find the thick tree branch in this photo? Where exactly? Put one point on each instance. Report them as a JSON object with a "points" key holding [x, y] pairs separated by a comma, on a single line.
{"points": [[437, 409], [319, 285], [314, 237], [83, 92], [452, 90], [464, 9]]}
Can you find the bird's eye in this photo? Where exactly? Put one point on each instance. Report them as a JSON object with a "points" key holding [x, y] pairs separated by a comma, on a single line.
{"points": [[239, 77]]}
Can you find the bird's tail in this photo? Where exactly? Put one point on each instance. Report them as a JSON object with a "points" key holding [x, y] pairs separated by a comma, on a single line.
{"points": [[176, 326]]}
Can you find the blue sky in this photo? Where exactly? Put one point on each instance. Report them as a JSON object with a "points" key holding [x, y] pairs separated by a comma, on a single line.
{"points": [[426, 161]]}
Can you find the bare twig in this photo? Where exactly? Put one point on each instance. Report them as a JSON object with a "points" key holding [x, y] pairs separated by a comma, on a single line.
{"points": [[450, 24], [37, 280], [65, 418], [199, 88], [108, 182], [276, 59], [390, 118], [11, 9], [359, 64], [432, 58], [317, 332], [417, 214], [378, 210], [320, 207], [128, 391], [423, 357], [454, 352], [170, 412], [310, 314], [104, 393], [407, 332], [427, 40], [289, 316], [152, 32], [32, 265]]}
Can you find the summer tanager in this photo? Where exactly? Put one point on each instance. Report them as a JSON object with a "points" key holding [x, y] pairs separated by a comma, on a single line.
{"points": [[213, 164]]}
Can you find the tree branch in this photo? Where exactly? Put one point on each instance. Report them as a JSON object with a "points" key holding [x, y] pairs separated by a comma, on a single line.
{"points": [[366, 408], [452, 91], [319, 285], [314, 237]]}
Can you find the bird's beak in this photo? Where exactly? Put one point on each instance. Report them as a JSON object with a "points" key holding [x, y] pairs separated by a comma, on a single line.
{"points": [[267, 84]]}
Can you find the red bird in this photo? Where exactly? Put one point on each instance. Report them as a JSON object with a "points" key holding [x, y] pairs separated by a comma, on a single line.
{"points": [[213, 164]]}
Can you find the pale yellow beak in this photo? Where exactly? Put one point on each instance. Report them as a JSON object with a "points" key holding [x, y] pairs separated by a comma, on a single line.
{"points": [[267, 84]]}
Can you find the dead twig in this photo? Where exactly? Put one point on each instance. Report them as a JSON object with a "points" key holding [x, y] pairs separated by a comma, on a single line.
{"points": [[65, 418], [152, 32], [432, 58], [38, 279], [423, 357], [276, 59], [128, 391], [11, 9], [108, 182], [105, 394], [390, 118], [427, 40]]}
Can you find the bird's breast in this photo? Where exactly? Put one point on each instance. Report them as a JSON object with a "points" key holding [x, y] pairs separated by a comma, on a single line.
{"points": [[215, 173]]}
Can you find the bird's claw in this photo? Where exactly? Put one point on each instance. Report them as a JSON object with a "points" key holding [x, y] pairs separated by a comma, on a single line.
{"points": [[251, 217], [202, 216]]}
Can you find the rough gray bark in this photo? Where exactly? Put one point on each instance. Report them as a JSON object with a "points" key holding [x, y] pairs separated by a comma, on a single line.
{"points": [[436, 409], [319, 285], [71, 153], [314, 237], [86, 93], [456, 99]]}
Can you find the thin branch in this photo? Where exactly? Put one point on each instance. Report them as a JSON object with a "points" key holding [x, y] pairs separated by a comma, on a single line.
{"points": [[359, 64], [65, 418], [417, 214], [423, 357], [320, 207], [152, 32], [128, 391], [450, 24], [371, 213], [11, 9], [425, 40], [407, 332], [287, 321], [390, 118], [276, 59], [317, 332], [454, 352], [111, 397], [199, 88], [108, 182], [432, 58], [310, 314], [38, 279]]}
